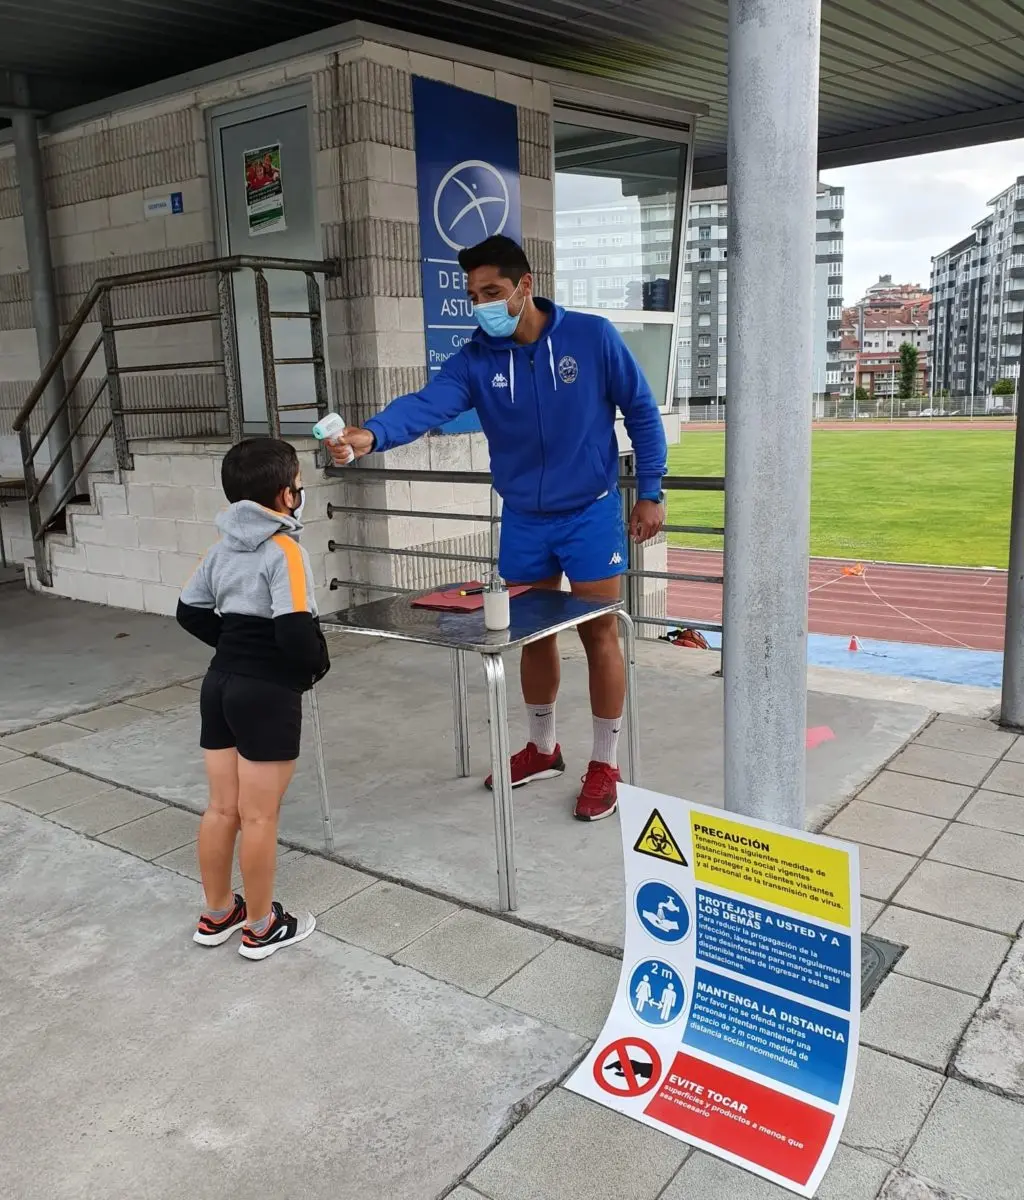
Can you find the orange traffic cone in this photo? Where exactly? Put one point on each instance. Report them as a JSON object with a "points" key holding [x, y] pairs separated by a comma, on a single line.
{"points": [[854, 644]]}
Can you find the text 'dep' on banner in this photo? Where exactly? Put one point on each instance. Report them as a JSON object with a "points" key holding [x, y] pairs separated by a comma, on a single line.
{"points": [[736, 1020]]}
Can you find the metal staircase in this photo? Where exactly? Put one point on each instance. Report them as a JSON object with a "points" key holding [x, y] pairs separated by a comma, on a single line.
{"points": [[54, 468]]}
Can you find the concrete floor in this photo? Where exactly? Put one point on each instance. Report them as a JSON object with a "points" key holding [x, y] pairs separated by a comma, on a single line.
{"points": [[59, 657], [151, 1068], [411, 1049], [399, 811]]}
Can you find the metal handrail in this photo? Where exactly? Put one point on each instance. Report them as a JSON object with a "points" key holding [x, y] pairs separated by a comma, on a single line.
{"points": [[99, 295], [627, 482]]}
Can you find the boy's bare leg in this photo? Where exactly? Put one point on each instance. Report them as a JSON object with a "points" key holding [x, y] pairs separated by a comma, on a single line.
{"points": [[219, 828], [261, 785]]}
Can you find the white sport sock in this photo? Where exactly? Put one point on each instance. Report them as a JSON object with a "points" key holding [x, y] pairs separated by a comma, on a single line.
{"points": [[542, 727], [606, 740]]}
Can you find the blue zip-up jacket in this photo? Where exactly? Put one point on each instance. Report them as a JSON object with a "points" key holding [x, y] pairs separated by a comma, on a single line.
{"points": [[548, 410]]}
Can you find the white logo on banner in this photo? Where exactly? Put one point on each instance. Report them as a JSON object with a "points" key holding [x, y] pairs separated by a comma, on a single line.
{"points": [[471, 203]]}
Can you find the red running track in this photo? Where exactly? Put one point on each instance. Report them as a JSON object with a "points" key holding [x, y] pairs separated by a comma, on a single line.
{"points": [[935, 606]]}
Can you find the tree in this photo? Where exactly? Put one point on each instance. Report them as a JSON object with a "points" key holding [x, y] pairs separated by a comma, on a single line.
{"points": [[861, 395], [1004, 387], [908, 370]]}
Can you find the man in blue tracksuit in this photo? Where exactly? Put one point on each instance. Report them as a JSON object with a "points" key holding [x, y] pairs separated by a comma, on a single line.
{"points": [[546, 384]]}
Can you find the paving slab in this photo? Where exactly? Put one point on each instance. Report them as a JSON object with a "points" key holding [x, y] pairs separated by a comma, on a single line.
{"points": [[385, 917], [149, 837], [306, 881], [852, 1176], [473, 951], [891, 1099], [107, 811], [393, 1084], [1007, 777], [571, 1149], [48, 677], [995, 810], [973, 897], [41, 737], [21, 772], [945, 952], [981, 850], [965, 738], [971, 1143], [882, 871], [917, 794], [8, 754], [948, 765], [869, 910], [165, 700], [113, 716], [56, 792], [889, 828], [905, 1185], [566, 986], [917, 1021], [1016, 751], [399, 812], [184, 860], [992, 1050]]}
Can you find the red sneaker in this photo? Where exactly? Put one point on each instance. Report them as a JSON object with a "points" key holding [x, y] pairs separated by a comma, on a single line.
{"points": [[530, 765], [600, 795]]}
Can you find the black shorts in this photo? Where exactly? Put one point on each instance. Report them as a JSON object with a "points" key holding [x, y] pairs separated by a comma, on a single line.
{"points": [[262, 720]]}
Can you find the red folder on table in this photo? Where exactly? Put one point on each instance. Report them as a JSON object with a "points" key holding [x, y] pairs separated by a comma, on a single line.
{"points": [[451, 599]]}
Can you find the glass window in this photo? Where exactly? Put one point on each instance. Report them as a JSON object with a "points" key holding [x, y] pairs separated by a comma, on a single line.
{"points": [[704, 339], [627, 179], [704, 210], [703, 297], [579, 291], [704, 277], [704, 320], [703, 381], [704, 360], [704, 233]]}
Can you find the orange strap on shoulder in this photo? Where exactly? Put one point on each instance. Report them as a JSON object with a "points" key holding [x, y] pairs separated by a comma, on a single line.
{"points": [[296, 571]]}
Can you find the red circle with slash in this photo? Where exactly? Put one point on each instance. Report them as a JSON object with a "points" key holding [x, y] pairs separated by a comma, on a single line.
{"points": [[627, 1067]]}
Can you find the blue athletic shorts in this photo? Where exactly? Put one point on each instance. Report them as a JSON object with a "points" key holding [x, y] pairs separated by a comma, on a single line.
{"points": [[585, 545]]}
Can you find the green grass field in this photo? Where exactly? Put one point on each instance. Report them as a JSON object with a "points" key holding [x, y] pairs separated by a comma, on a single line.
{"points": [[894, 495]]}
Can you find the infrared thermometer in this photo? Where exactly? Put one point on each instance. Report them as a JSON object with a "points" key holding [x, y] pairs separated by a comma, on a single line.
{"points": [[329, 429]]}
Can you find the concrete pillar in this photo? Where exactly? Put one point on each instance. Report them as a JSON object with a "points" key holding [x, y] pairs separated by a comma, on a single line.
{"points": [[1012, 709], [773, 98], [29, 163]]}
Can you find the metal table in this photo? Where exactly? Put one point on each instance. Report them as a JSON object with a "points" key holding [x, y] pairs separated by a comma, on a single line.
{"points": [[535, 615]]}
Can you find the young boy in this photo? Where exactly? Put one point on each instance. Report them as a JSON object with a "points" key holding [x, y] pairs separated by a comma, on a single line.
{"points": [[252, 600]]}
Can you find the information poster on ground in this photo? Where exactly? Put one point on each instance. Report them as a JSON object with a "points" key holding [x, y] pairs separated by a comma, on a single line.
{"points": [[264, 191], [737, 1015]]}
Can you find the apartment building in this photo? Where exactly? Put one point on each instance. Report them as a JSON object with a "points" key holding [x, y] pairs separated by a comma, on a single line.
{"points": [[887, 317], [703, 316], [978, 308]]}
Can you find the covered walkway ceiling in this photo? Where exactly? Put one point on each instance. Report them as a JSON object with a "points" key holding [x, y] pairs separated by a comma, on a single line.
{"points": [[897, 76]]}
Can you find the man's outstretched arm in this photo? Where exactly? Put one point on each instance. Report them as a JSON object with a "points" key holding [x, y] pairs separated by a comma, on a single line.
{"points": [[409, 417]]}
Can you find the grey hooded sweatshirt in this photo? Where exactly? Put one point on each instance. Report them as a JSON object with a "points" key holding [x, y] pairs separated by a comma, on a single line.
{"points": [[252, 599]]}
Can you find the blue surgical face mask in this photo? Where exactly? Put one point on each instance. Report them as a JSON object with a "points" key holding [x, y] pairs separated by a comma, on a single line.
{"points": [[495, 319]]}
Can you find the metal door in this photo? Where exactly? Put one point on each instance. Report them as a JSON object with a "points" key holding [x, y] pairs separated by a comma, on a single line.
{"points": [[264, 176]]}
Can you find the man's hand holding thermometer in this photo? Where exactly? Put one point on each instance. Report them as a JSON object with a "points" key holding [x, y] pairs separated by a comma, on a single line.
{"points": [[345, 443]]}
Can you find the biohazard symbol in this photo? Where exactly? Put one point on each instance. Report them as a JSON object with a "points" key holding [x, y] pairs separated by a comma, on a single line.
{"points": [[658, 842]]}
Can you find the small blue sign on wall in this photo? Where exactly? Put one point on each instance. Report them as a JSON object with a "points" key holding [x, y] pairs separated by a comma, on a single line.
{"points": [[467, 175]]}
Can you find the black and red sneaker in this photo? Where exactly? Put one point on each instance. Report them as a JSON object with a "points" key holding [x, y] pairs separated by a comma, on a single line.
{"points": [[283, 930], [215, 933], [600, 794], [529, 766]]}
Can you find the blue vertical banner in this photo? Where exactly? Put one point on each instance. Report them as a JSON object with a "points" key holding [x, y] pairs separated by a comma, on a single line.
{"points": [[467, 177]]}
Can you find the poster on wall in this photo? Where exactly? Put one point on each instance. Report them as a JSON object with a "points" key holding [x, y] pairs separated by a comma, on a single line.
{"points": [[264, 191], [736, 1020], [467, 176]]}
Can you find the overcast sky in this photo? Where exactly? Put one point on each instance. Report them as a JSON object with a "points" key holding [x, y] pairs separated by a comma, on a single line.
{"points": [[900, 213]]}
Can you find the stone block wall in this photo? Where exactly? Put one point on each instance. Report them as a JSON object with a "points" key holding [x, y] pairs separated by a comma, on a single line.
{"points": [[141, 538]]}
